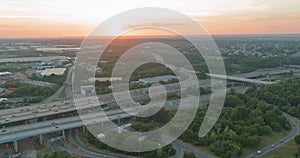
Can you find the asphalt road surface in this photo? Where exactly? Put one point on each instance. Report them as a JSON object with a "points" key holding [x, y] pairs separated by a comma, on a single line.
{"points": [[295, 130], [60, 89], [181, 146], [85, 149]]}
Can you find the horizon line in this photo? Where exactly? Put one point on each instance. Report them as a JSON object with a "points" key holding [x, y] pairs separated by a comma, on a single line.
{"points": [[146, 36]]}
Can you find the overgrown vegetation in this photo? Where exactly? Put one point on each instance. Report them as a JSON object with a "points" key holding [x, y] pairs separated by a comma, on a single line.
{"points": [[52, 78], [27, 90], [242, 124], [242, 63], [164, 152], [188, 155], [57, 154], [285, 95]]}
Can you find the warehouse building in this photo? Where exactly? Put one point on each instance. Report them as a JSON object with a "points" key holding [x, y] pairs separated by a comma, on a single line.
{"points": [[54, 71]]}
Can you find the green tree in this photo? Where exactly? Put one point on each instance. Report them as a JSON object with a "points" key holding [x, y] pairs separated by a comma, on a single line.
{"points": [[58, 154], [297, 139]]}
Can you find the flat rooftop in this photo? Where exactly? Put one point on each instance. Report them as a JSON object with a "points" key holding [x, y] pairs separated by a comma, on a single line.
{"points": [[31, 59], [5, 73], [55, 71]]}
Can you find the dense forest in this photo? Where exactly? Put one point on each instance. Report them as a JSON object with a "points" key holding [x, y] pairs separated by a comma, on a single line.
{"points": [[57, 154], [241, 63], [285, 95], [27, 90], [243, 122], [52, 78]]}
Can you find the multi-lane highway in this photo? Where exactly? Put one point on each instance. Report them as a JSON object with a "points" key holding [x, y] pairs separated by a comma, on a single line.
{"points": [[20, 132], [53, 108]]}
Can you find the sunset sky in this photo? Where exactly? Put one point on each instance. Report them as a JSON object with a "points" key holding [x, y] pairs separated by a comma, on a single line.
{"points": [[60, 18]]}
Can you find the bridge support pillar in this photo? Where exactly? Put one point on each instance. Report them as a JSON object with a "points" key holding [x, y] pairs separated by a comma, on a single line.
{"points": [[41, 140], [16, 146], [63, 133], [102, 125], [83, 129], [119, 121]]}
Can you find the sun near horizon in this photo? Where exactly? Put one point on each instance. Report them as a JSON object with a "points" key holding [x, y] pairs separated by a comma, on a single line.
{"points": [[66, 18]]}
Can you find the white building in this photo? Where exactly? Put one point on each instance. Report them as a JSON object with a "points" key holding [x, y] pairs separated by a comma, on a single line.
{"points": [[3, 99], [55, 71], [87, 90], [5, 73]]}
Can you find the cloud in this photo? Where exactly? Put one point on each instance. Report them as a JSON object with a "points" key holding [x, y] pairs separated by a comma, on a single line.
{"points": [[19, 17], [7, 26]]}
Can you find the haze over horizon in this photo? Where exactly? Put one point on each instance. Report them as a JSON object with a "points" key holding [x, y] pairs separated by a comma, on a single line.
{"points": [[66, 18]]}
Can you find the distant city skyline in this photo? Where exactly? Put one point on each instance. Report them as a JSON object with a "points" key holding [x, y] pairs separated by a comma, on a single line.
{"points": [[71, 18]]}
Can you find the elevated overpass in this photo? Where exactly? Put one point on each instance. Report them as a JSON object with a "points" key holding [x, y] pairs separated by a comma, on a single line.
{"points": [[293, 66], [272, 71], [19, 132], [48, 109], [240, 79], [15, 133]]}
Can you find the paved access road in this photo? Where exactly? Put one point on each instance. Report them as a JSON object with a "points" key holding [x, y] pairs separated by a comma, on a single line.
{"points": [[181, 146], [295, 130], [85, 149], [60, 89]]}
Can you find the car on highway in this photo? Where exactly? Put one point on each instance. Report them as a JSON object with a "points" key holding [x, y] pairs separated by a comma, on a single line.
{"points": [[281, 141], [258, 152]]}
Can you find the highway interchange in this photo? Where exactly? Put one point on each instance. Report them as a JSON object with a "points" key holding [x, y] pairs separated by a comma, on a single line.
{"points": [[19, 132]]}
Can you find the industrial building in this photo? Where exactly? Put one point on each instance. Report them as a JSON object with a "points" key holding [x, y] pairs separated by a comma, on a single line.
{"points": [[32, 59], [87, 90], [3, 99], [54, 71], [5, 73], [5, 76]]}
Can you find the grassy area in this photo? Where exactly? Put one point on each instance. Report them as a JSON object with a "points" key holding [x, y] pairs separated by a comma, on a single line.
{"points": [[208, 152], [265, 141], [105, 151], [189, 155], [63, 94], [284, 151], [40, 153]]}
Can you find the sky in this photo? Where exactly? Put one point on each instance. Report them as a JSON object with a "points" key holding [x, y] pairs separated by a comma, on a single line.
{"points": [[68, 18]]}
